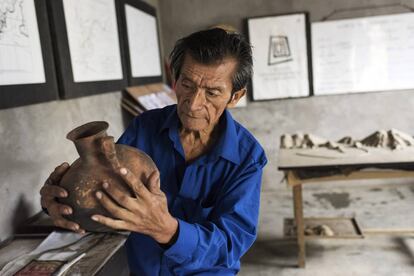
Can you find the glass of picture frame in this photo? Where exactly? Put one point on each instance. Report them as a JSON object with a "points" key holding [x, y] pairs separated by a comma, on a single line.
{"points": [[281, 56], [141, 42], [88, 46], [27, 69]]}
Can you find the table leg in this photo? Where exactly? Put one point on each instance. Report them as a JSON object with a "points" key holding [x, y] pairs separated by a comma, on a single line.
{"points": [[300, 234]]}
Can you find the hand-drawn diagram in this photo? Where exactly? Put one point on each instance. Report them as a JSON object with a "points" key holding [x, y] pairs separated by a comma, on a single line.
{"points": [[21, 60], [93, 40], [280, 56], [279, 50]]}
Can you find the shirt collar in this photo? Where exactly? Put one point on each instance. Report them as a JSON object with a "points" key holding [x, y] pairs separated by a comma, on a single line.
{"points": [[227, 146], [171, 120]]}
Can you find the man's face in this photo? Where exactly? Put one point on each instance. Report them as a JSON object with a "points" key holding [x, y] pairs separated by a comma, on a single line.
{"points": [[204, 92]]}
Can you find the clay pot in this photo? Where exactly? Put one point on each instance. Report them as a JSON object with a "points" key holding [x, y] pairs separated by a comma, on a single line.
{"points": [[99, 158]]}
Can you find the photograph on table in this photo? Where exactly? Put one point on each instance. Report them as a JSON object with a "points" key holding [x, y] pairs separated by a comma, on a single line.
{"points": [[281, 56]]}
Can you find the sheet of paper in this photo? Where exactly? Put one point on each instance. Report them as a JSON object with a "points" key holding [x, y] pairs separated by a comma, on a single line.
{"points": [[280, 56], [93, 40], [57, 240], [143, 43], [363, 54], [21, 60], [156, 100]]}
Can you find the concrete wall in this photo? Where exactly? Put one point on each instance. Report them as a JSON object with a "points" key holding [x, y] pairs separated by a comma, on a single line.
{"points": [[329, 116], [181, 17], [33, 143]]}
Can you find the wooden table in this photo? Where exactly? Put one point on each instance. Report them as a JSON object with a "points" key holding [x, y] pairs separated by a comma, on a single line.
{"points": [[295, 182], [107, 257]]}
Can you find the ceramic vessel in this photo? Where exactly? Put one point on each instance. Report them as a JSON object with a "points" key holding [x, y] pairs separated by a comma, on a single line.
{"points": [[99, 157]]}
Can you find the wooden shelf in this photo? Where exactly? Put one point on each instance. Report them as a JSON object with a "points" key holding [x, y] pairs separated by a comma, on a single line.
{"points": [[342, 227]]}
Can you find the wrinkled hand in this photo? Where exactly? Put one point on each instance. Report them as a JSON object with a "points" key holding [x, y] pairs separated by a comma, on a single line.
{"points": [[146, 212], [49, 192]]}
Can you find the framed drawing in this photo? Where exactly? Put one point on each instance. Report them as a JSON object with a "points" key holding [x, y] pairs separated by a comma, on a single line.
{"points": [[141, 42], [281, 56], [363, 54], [88, 47], [27, 70]]}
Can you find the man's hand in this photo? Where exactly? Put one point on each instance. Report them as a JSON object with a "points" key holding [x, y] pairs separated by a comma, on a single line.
{"points": [[146, 212], [49, 192]]}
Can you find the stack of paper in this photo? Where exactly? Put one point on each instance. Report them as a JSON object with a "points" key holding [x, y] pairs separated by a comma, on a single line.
{"points": [[138, 99]]}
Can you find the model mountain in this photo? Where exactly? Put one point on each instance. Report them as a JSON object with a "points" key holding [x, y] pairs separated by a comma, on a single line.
{"points": [[392, 139]]}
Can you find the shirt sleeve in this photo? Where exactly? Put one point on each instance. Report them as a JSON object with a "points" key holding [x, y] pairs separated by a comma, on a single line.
{"points": [[231, 228]]}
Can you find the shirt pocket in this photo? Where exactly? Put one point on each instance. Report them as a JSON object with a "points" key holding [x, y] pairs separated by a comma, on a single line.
{"points": [[192, 211]]}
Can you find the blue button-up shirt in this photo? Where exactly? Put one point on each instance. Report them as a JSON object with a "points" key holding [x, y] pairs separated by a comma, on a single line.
{"points": [[215, 197]]}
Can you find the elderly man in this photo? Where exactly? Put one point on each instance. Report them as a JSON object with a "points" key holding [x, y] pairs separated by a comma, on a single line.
{"points": [[200, 214]]}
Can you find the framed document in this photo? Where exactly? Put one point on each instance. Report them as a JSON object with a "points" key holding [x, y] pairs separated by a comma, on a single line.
{"points": [[142, 47], [363, 54], [89, 47], [27, 70], [281, 56]]}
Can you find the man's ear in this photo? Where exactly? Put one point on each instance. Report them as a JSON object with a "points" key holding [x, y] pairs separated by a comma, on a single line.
{"points": [[236, 97]]}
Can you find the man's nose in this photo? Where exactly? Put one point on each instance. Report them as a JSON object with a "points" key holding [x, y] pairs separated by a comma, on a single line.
{"points": [[197, 100]]}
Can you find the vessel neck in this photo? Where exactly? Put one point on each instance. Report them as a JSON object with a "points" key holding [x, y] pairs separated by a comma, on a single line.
{"points": [[89, 149], [87, 139]]}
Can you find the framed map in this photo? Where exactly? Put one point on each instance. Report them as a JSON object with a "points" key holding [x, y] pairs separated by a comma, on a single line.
{"points": [[88, 46], [27, 70], [281, 56], [142, 47]]}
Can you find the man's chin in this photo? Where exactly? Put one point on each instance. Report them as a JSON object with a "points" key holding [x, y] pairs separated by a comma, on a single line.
{"points": [[194, 125]]}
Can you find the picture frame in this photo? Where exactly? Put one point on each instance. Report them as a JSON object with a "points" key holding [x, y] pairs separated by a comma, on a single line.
{"points": [[27, 74], [281, 56], [347, 61], [88, 46], [140, 31]]}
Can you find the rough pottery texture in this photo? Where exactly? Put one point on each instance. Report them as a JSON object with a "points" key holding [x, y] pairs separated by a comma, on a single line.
{"points": [[99, 158]]}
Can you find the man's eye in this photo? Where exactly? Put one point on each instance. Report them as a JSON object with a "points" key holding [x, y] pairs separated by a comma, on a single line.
{"points": [[211, 93]]}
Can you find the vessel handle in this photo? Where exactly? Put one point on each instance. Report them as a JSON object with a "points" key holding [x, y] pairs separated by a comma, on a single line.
{"points": [[108, 149]]}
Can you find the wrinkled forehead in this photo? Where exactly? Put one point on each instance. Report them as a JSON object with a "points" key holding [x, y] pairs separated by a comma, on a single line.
{"points": [[220, 71]]}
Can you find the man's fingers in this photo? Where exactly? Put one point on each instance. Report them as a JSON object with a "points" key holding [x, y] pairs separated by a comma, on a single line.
{"points": [[59, 171], [66, 224], [134, 183], [57, 209], [119, 196], [49, 192], [53, 191], [112, 208], [154, 183], [111, 223]]}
